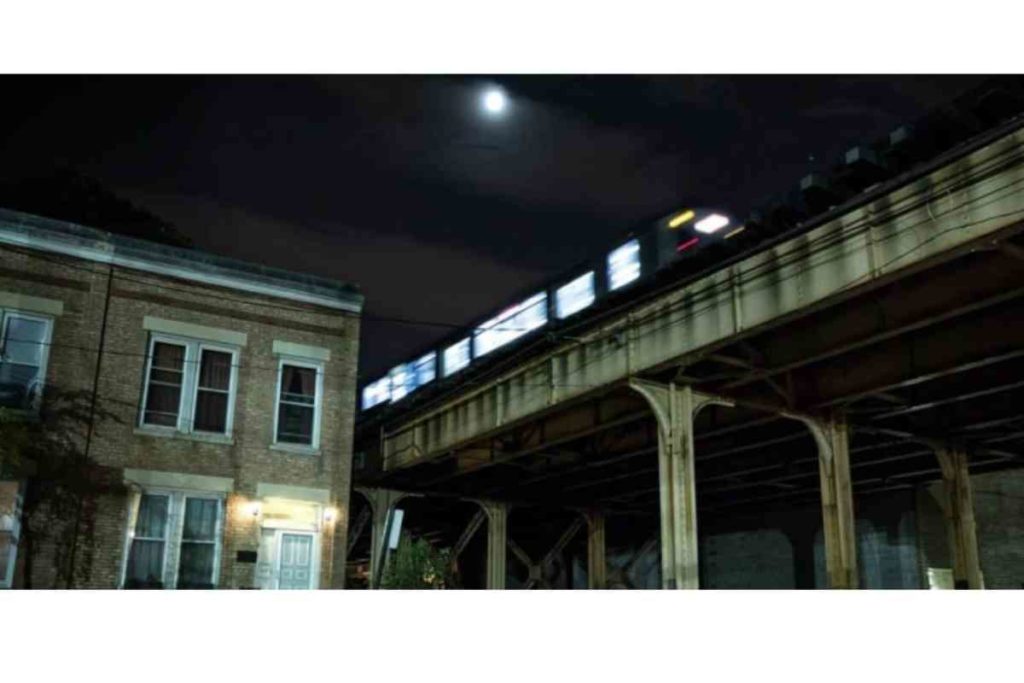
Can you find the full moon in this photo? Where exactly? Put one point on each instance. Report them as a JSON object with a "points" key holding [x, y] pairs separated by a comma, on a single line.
{"points": [[494, 101]]}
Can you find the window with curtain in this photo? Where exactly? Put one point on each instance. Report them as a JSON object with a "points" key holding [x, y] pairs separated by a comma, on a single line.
{"points": [[24, 350], [166, 377], [213, 391], [149, 543], [298, 403], [190, 386], [174, 541], [198, 543]]}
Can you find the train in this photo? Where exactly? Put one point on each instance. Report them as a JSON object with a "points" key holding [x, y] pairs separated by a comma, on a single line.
{"points": [[631, 262], [709, 235]]}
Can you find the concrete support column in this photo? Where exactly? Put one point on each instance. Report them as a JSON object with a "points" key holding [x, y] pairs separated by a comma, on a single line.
{"points": [[958, 506], [497, 544], [382, 501], [833, 438], [675, 407], [597, 563]]}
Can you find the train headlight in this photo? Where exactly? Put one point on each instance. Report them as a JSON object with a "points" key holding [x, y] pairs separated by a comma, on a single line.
{"points": [[711, 223]]}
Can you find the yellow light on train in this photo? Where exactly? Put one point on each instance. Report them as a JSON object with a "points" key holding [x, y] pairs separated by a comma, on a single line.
{"points": [[681, 218], [733, 233], [712, 223]]}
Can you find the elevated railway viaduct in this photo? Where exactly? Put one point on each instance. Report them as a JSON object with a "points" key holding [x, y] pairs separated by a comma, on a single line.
{"points": [[875, 357]]}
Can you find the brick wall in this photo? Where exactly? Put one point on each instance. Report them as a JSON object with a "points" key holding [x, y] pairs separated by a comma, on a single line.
{"points": [[249, 459]]}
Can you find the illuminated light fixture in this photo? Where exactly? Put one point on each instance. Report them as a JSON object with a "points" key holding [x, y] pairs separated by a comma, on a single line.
{"points": [[692, 242], [733, 233], [330, 514], [681, 218], [254, 508], [712, 223]]}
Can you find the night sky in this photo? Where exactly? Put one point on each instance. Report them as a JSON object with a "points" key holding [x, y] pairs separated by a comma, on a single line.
{"points": [[403, 186]]}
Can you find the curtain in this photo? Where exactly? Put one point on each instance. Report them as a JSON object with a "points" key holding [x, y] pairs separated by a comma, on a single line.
{"points": [[165, 378], [298, 385], [295, 424], [215, 370], [195, 568], [146, 557]]}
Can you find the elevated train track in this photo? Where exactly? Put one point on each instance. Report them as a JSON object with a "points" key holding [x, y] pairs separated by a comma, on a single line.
{"points": [[894, 325]]}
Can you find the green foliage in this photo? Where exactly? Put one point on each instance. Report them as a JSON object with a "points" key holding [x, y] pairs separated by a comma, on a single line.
{"points": [[416, 564], [48, 452]]}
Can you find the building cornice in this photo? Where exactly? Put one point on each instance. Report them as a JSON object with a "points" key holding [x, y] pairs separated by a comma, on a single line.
{"points": [[68, 239]]}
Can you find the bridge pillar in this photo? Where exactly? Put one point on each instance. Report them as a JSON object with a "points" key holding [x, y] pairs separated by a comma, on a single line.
{"points": [[833, 438], [497, 544], [674, 408], [958, 506], [382, 501], [597, 563]]}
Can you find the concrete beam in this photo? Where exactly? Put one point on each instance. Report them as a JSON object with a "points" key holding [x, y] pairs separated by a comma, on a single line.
{"points": [[597, 562], [497, 544], [674, 409], [382, 502], [837, 501], [958, 507]]}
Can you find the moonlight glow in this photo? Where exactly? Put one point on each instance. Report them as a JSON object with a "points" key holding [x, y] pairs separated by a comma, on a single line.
{"points": [[494, 101]]}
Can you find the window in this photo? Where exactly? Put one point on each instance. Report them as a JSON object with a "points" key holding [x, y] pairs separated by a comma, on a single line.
{"points": [[575, 296], [511, 324], [299, 403], [147, 554], [624, 265], [198, 543], [24, 349], [174, 541], [376, 393], [10, 527], [456, 357], [190, 386]]}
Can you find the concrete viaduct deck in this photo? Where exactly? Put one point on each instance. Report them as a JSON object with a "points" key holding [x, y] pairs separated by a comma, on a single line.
{"points": [[874, 352]]}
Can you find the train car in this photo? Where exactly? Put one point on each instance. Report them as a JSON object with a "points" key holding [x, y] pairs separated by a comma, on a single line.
{"points": [[634, 260]]}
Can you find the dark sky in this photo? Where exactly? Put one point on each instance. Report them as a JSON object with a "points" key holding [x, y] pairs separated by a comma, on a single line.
{"points": [[402, 186]]}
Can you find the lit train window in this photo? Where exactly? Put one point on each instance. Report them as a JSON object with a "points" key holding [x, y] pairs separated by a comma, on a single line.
{"points": [[624, 265], [456, 357], [402, 379], [376, 393], [511, 324], [575, 296], [425, 369]]}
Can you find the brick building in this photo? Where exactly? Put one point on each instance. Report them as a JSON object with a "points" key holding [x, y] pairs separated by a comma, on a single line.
{"points": [[227, 392]]}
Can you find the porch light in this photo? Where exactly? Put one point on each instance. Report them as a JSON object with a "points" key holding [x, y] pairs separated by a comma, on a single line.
{"points": [[254, 508], [330, 514]]}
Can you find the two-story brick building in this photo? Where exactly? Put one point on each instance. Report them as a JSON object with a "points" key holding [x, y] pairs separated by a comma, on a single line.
{"points": [[231, 392]]}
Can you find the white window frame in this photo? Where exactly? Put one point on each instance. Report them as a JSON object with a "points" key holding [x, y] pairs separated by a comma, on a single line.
{"points": [[318, 401], [5, 315], [174, 531], [7, 573], [190, 384], [133, 521]]}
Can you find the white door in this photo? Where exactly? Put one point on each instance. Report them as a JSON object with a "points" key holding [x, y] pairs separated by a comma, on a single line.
{"points": [[296, 568]]}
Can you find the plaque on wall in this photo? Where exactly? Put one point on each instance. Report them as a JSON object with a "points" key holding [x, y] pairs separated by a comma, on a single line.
{"points": [[246, 556]]}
